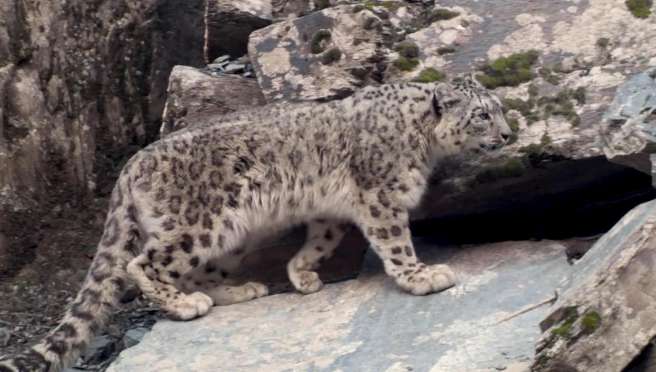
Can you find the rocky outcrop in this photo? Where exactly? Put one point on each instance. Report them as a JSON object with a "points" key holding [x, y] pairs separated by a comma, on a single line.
{"points": [[228, 24], [326, 54], [629, 126], [195, 96], [290, 8], [606, 313], [81, 81]]}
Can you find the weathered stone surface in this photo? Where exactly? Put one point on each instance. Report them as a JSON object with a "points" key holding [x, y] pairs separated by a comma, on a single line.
{"points": [[488, 322], [228, 23], [606, 313], [323, 55], [629, 124], [442, 37], [289, 8], [80, 79], [194, 96]]}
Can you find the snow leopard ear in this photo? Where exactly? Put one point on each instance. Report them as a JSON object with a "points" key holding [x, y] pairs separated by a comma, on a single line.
{"points": [[444, 97]]}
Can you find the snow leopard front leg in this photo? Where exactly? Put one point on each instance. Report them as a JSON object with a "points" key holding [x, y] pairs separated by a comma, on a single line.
{"points": [[386, 227], [323, 237]]}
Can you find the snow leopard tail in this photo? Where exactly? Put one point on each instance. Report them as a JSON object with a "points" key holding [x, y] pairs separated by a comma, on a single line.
{"points": [[103, 287]]}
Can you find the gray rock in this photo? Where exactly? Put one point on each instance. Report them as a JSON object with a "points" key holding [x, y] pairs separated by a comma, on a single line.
{"points": [[488, 321], [326, 54], [289, 8], [629, 124], [606, 314], [134, 336], [194, 96], [229, 22], [99, 350], [103, 76], [5, 336]]}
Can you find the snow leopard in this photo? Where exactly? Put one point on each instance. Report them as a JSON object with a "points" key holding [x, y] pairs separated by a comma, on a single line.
{"points": [[184, 207]]}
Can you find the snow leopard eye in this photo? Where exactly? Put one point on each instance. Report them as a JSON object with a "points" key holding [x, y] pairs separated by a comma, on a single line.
{"points": [[485, 116]]}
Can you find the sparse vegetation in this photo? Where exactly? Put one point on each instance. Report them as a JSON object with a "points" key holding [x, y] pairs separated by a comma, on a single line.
{"points": [[429, 75], [603, 42], [389, 5], [579, 94], [509, 71], [446, 50], [549, 76], [406, 64], [590, 321], [571, 315], [321, 4], [562, 105], [640, 8], [526, 108], [407, 49], [320, 41], [331, 56], [543, 108], [442, 15]]}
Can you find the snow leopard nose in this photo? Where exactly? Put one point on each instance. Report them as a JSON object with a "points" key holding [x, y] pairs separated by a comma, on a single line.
{"points": [[506, 137]]}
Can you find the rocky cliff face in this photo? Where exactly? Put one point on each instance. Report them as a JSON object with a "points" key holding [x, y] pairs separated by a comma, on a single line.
{"points": [[80, 82]]}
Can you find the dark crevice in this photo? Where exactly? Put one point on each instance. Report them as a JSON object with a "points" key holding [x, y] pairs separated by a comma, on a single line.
{"points": [[562, 200]]}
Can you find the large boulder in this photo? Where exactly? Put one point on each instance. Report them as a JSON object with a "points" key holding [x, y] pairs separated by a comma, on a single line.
{"points": [[326, 54], [229, 22], [194, 96], [606, 312]]}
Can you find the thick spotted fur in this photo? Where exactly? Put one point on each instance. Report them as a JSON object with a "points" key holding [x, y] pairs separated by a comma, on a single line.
{"points": [[183, 207]]}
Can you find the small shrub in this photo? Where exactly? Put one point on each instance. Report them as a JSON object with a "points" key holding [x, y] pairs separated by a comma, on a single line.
{"points": [[442, 15], [320, 40], [579, 94], [407, 49], [387, 4], [446, 50], [321, 4], [331, 56], [406, 64], [590, 322], [640, 8], [526, 108], [571, 315], [562, 105], [509, 71], [548, 75], [603, 42], [429, 75]]}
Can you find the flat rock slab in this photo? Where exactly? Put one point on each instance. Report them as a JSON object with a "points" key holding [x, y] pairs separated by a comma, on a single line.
{"points": [[368, 324]]}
